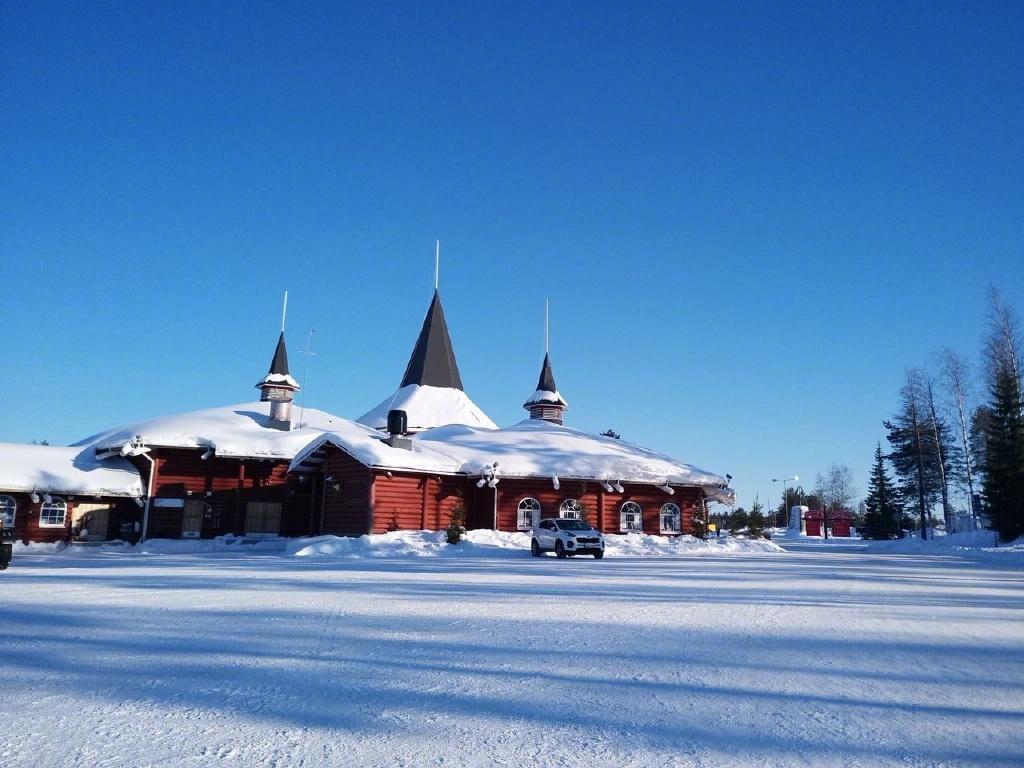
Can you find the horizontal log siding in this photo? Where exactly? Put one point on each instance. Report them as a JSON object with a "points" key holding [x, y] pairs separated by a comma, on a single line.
{"points": [[397, 502], [26, 519], [406, 501], [589, 493], [345, 512], [227, 485], [514, 490]]}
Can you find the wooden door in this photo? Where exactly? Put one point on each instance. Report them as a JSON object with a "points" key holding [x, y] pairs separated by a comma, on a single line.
{"points": [[263, 519], [192, 519]]}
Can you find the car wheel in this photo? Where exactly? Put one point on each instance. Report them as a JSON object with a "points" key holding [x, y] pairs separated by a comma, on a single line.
{"points": [[559, 550], [598, 555], [535, 548]]}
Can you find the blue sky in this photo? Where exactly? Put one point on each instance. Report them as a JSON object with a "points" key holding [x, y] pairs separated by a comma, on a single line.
{"points": [[749, 220]]}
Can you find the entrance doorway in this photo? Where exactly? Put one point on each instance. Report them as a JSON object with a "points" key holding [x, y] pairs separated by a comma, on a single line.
{"points": [[263, 519]]}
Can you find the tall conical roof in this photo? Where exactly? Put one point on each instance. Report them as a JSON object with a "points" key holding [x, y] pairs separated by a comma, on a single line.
{"points": [[278, 379], [546, 382], [433, 359], [280, 362]]}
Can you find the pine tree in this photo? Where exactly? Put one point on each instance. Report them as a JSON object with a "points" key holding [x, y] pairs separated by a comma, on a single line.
{"points": [[1004, 466], [911, 454], [755, 521], [882, 511], [1003, 482]]}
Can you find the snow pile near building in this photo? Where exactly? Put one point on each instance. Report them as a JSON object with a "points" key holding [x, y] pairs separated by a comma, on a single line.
{"points": [[487, 543], [227, 543], [969, 543], [476, 543], [645, 545]]}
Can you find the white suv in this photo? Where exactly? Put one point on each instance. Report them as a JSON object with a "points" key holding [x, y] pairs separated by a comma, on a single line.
{"points": [[565, 537]]}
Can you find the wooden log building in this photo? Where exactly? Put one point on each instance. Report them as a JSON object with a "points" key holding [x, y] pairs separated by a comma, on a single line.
{"points": [[253, 470]]}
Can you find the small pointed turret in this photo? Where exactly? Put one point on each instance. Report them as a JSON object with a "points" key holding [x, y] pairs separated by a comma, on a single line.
{"points": [[278, 387], [546, 403]]}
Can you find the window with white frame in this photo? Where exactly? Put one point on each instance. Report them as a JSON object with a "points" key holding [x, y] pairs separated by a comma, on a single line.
{"points": [[53, 513], [528, 513], [571, 508], [671, 519], [7, 509], [631, 517]]}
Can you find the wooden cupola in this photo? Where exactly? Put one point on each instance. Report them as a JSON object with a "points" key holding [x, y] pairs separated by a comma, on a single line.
{"points": [[546, 403]]}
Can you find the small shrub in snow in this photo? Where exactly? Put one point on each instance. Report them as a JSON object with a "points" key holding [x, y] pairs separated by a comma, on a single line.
{"points": [[456, 527]]}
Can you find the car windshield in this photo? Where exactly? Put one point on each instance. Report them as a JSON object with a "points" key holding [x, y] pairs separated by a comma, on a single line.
{"points": [[573, 525]]}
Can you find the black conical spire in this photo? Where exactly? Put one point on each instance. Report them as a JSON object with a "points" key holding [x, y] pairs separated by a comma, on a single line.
{"points": [[280, 362], [546, 403], [546, 382], [433, 359], [278, 384]]}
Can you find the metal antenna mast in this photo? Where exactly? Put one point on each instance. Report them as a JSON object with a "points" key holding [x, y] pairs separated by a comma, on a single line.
{"points": [[307, 353], [284, 311]]}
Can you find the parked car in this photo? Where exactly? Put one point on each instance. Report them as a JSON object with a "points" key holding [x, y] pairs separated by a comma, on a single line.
{"points": [[565, 537]]}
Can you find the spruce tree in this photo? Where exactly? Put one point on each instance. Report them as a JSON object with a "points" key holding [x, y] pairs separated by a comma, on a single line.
{"points": [[882, 511], [755, 521], [1003, 483], [1004, 465], [911, 455]]}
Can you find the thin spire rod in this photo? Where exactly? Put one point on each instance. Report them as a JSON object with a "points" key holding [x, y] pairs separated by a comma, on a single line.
{"points": [[284, 311], [547, 333], [437, 263]]}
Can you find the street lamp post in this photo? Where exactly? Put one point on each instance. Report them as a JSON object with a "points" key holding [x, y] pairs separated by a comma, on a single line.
{"points": [[785, 495]]}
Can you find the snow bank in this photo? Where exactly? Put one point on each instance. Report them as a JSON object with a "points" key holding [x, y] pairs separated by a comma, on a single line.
{"points": [[969, 543], [479, 543], [219, 544], [644, 545], [486, 543]]}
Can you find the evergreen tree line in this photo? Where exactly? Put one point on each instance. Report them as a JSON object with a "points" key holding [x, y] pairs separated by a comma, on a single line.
{"points": [[954, 433]]}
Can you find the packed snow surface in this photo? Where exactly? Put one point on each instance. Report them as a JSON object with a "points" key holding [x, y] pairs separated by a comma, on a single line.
{"points": [[57, 469], [426, 406], [242, 658]]}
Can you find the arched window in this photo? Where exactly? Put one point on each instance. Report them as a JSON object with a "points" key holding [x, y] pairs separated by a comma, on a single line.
{"points": [[671, 519], [528, 513], [53, 514], [571, 508], [631, 517], [7, 509]]}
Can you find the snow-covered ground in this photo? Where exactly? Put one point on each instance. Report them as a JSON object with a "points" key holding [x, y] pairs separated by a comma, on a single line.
{"points": [[115, 657]]}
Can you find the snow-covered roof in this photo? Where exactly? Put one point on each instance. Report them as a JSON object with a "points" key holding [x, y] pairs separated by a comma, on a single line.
{"points": [[532, 448], [536, 447], [546, 396], [279, 378], [235, 430], [427, 407], [59, 469]]}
